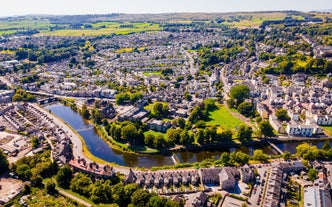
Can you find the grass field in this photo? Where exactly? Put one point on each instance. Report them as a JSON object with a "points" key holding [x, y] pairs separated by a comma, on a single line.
{"points": [[106, 28], [154, 133], [224, 119], [150, 106], [151, 73], [10, 27], [255, 19], [328, 130]]}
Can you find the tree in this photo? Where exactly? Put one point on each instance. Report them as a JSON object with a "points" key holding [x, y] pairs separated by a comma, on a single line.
{"points": [[140, 198], [195, 115], [160, 110], [225, 159], [159, 141], [246, 109], [148, 140], [312, 174], [181, 122], [266, 129], [85, 112], [239, 157], [326, 146], [81, 184], [244, 133], [239, 93], [23, 171], [286, 155], [185, 138], [282, 115], [50, 188], [17, 98], [173, 136], [209, 104], [3, 162], [129, 132], [64, 177], [35, 142], [97, 116], [260, 156], [37, 181], [199, 136]]}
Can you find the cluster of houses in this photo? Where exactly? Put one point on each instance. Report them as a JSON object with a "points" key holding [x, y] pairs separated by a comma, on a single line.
{"points": [[226, 177]]}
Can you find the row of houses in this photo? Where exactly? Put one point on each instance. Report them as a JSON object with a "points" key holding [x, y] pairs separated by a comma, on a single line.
{"points": [[164, 178]]}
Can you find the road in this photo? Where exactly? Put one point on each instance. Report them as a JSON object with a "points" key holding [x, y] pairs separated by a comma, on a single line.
{"points": [[193, 70], [68, 195]]}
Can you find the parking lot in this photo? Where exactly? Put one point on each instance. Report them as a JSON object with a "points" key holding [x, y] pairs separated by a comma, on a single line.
{"points": [[9, 188]]}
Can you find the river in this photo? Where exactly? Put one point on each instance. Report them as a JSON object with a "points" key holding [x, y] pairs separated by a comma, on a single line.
{"points": [[99, 148]]}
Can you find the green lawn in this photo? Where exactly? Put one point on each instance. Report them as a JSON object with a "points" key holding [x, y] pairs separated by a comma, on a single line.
{"points": [[221, 117], [328, 130], [154, 133]]}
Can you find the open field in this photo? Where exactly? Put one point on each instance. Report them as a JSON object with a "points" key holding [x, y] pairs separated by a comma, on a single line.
{"points": [[255, 19], [221, 117], [106, 28], [151, 73], [10, 27]]}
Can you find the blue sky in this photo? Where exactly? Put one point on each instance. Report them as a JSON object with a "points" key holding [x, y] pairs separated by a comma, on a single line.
{"points": [[21, 7]]}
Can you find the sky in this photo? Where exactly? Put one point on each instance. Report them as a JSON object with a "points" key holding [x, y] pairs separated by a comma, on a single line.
{"points": [[67, 7]]}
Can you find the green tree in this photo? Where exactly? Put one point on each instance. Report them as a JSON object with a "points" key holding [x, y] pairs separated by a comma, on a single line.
{"points": [[244, 133], [259, 155], [239, 157], [140, 198], [81, 184], [199, 136], [129, 132], [50, 188], [312, 174], [266, 129], [35, 142], [282, 115], [181, 122], [195, 115], [23, 171], [17, 98], [3, 162], [326, 146], [85, 112], [239, 93], [159, 142], [286, 155], [64, 177], [160, 110], [246, 109], [225, 159]]}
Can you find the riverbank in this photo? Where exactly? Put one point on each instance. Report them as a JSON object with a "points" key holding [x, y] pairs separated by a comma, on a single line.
{"points": [[80, 148]]}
